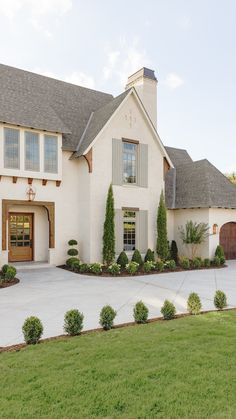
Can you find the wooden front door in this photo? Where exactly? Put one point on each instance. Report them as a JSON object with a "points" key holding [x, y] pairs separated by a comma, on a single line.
{"points": [[20, 230], [228, 240]]}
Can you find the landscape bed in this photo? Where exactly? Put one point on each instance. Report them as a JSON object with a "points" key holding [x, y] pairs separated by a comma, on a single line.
{"points": [[5, 284], [180, 369]]}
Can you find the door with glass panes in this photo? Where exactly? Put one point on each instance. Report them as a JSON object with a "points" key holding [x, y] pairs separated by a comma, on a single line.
{"points": [[20, 230]]}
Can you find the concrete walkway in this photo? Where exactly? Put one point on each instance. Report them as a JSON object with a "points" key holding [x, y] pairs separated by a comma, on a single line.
{"points": [[49, 293]]}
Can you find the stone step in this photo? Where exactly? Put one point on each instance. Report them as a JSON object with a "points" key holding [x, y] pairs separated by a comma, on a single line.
{"points": [[21, 266]]}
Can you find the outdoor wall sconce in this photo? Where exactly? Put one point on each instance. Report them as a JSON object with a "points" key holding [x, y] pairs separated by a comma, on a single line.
{"points": [[215, 228], [30, 193]]}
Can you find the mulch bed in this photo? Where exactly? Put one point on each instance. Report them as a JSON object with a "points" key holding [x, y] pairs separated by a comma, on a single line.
{"points": [[5, 284], [140, 273]]}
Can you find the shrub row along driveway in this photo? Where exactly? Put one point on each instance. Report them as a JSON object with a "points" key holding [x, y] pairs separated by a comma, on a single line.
{"points": [[49, 293]]}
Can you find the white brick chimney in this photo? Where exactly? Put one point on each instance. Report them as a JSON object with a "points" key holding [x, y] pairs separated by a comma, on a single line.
{"points": [[145, 83]]}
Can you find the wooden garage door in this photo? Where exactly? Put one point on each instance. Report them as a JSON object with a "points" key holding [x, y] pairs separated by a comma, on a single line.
{"points": [[228, 240]]}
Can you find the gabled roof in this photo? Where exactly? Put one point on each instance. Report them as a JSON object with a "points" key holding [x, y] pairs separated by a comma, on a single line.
{"points": [[40, 102], [198, 184], [178, 156]]}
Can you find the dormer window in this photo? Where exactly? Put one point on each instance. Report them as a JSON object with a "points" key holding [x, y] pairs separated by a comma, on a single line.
{"points": [[11, 148], [50, 154], [31, 151], [129, 162]]}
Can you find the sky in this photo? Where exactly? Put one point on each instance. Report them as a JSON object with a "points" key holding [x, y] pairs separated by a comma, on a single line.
{"points": [[98, 43]]}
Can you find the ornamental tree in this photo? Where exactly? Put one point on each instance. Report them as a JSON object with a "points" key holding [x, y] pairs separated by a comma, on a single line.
{"points": [[162, 246], [109, 229], [193, 235]]}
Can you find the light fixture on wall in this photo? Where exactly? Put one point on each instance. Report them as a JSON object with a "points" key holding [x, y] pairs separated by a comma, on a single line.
{"points": [[30, 193], [215, 229]]}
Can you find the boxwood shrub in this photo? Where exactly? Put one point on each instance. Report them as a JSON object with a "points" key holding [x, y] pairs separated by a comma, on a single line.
{"points": [[194, 303], [207, 263], [148, 266], [160, 265], [72, 242], [122, 260], [132, 267], [216, 261], [95, 268], [10, 273], [219, 251], [168, 310], [149, 257], [170, 264], [72, 252], [220, 300], [107, 316], [32, 330], [70, 261], [185, 263], [4, 269], [197, 263], [84, 268], [140, 312], [114, 268], [73, 322], [75, 265], [137, 257]]}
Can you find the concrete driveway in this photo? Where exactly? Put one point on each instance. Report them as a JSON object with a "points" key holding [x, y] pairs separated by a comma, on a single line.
{"points": [[49, 293]]}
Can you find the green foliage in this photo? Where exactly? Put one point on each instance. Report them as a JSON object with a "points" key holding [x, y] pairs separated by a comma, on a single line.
{"points": [[132, 267], [96, 268], [148, 266], [32, 330], [10, 273], [72, 242], [114, 268], [219, 251], [73, 322], [137, 257], [170, 264], [4, 269], [194, 303], [149, 256], [207, 263], [140, 312], [231, 177], [168, 310], [109, 229], [70, 261], [162, 247], [84, 268], [107, 316], [122, 260], [216, 261], [222, 260], [174, 251], [72, 252], [160, 265], [75, 265], [197, 263], [194, 234], [220, 300], [184, 263]]}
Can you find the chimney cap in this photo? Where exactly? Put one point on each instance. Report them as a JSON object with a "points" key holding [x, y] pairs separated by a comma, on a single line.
{"points": [[145, 72]]}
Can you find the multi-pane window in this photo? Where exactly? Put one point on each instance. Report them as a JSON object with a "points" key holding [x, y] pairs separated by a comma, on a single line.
{"points": [[11, 148], [31, 151], [129, 162], [50, 154], [129, 229]]}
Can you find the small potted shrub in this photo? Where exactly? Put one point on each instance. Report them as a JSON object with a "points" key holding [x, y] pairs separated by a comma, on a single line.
{"points": [[185, 263], [137, 257], [114, 268], [73, 322], [132, 268], [168, 310], [96, 268], [194, 303], [122, 260], [149, 257], [140, 312], [148, 266], [32, 330], [220, 300], [107, 316]]}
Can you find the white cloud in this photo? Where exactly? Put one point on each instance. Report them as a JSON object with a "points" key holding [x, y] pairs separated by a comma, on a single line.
{"points": [[173, 81], [39, 28], [78, 78], [10, 8], [185, 22]]}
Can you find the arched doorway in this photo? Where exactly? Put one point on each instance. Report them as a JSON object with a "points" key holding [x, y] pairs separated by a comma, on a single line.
{"points": [[228, 239]]}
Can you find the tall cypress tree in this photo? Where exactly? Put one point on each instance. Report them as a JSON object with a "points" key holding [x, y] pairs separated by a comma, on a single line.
{"points": [[109, 229], [162, 241]]}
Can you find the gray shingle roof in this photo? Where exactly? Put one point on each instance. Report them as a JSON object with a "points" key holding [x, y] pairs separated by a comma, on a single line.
{"points": [[198, 184], [178, 156], [40, 102]]}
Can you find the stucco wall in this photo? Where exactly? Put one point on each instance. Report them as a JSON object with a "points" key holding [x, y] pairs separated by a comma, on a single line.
{"points": [[219, 216]]}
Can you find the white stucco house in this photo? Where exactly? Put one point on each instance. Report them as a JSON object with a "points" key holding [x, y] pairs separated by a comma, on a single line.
{"points": [[61, 146]]}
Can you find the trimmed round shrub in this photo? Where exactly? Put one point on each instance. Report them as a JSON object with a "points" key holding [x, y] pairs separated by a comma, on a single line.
{"points": [[185, 263], [84, 268], [32, 330], [170, 264], [216, 261], [122, 260], [196, 263], [140, 312], [107, 316], [132, 267], [10, 273], [220, 300], [174, 251], [207, 263], [96, 268], [72, 242], [219, 251], [222, 260], [70, 261], [73, 322], [149, 257], [114, 268], [194, 303], [148, 266], [168, 310], [137, 257], [72, 252], [75, 265], [4, 269], [160, 265]]}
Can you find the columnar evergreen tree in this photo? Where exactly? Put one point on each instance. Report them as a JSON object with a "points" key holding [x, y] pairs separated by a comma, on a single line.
{"points": [[109, 229], [162, 241]]}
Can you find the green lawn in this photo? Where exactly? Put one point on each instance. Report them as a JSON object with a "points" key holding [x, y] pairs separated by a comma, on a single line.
{"points": [[184, 368]]}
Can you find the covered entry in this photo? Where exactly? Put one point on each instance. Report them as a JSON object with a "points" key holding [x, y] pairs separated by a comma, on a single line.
{"points": [[228, 239]]}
